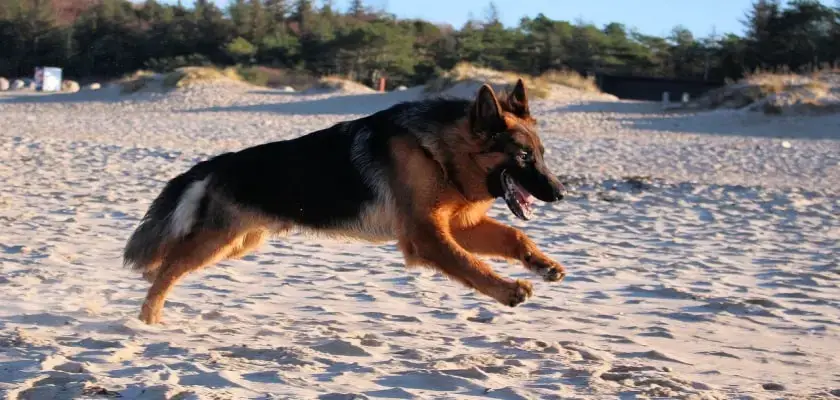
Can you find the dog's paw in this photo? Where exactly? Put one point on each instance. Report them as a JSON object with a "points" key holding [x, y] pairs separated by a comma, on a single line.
{"points": [[149, 316], [149, 319], [553, 274], [520, 291], [549, 270]]}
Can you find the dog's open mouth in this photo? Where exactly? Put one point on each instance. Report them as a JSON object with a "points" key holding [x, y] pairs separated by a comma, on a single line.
{"points": [[517, 198]]}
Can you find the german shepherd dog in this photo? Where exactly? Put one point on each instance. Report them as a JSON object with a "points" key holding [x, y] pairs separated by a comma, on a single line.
{"points": [[422, 173]]}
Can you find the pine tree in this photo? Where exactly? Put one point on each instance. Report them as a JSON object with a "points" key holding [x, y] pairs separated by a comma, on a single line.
{"points": [[492, 15], [761, 20], [242, 18], [277, 10], [357, 9], [259, 21], [761, 34], [327, 10], [303, 14]]}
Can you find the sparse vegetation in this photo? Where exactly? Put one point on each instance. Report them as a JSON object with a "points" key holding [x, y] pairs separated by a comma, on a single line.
{"points": [[179, 78], [279, 77], [782, 80], [570, 78], [538, 86], [187, 76], [776, 91], [258, 76], [340, 83], [466, 72], [136, 81]]}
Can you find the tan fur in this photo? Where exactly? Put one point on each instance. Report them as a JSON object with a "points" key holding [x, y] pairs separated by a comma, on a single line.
{"points": [[425, 232], [189, 254], [441, 227], [248, 242], [192, 254]]}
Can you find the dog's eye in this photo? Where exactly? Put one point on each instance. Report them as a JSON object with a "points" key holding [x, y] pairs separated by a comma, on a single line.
{"points": [[524, 156]]}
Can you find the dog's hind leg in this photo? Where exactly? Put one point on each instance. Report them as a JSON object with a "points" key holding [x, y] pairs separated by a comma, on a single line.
{"points": [[250, 241], [151, 270], [492, 238], [200, 249]]}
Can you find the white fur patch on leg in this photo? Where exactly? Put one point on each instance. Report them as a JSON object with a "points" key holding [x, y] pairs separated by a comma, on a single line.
{"points": [[184, 216]]}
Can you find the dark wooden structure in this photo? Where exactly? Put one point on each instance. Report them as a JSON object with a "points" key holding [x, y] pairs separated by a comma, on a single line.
{"points": [[649, 88]]}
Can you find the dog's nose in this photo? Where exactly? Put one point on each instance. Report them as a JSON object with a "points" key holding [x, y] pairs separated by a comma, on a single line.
{"points": [[559, 191]]}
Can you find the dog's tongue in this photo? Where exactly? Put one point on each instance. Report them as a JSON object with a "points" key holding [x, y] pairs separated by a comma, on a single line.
{"points": [[524, 196], [529, 199]]}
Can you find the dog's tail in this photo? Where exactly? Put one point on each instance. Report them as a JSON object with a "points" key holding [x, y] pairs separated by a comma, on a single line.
{"points": [[171, 216]]}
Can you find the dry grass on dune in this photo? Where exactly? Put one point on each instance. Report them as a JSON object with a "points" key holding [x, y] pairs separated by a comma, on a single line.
{"points": [[259, 76], [136, 81], [278, 77], [570, 79], [299, 80], [188, 76], [765, 83], [179, 78], [338, 83], [538, 86], [463, 76], [776, 92]]}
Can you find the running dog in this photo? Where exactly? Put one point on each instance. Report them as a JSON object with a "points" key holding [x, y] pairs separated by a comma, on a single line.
{"points": [[423, 173]]}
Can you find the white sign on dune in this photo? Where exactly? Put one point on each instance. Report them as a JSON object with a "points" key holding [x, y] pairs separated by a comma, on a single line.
{"points": [[48, 79]]}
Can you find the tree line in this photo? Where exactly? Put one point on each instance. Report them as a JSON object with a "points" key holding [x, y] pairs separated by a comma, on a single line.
{"points": [[108, 38]]}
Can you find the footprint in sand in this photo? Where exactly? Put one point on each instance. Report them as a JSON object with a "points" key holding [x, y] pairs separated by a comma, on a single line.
{"points": [[391, 317], [429, 380], [342, 347]]}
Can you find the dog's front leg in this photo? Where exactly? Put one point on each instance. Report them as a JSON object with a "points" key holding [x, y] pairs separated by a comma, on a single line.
{"points": [[491, 237], [427, 244]]}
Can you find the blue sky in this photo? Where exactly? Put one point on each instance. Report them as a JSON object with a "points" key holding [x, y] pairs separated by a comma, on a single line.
{"points": [[656, 17], [649, 16]]}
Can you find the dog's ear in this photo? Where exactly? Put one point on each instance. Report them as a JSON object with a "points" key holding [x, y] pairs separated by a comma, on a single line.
{"points": [[486, 117], [518, 100]]}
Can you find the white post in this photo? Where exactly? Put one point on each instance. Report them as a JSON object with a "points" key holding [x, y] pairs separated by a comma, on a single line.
{"points": [[666, 97], [685, 98]]}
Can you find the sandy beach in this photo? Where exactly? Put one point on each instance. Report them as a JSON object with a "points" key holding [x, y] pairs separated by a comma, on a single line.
{"points": [[702, 251]]}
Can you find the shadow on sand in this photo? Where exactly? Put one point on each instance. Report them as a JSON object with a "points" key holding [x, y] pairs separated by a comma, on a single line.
{"points": [[736, 124], [104, 95], [349, 104], [617, 107], [649, 116], [638, 115]]}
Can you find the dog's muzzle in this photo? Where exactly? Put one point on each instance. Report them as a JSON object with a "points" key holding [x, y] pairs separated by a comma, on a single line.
{"points": [[517, 198]]}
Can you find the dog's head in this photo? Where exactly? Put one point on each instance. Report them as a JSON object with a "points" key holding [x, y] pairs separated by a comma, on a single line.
{"points": [[511, 151]]}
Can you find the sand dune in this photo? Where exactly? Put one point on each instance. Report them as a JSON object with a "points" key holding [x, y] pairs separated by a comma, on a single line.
{"points": [[717, 278]]}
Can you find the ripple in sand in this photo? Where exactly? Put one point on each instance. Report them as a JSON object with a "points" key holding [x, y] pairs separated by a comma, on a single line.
{"points": [[391, 317], [720, 354], [341, 348], [214, 380], [280, 355], [653, 355], [428, 380]]}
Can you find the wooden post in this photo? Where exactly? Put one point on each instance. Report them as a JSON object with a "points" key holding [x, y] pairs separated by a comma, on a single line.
{"points": [[381, 84]]}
